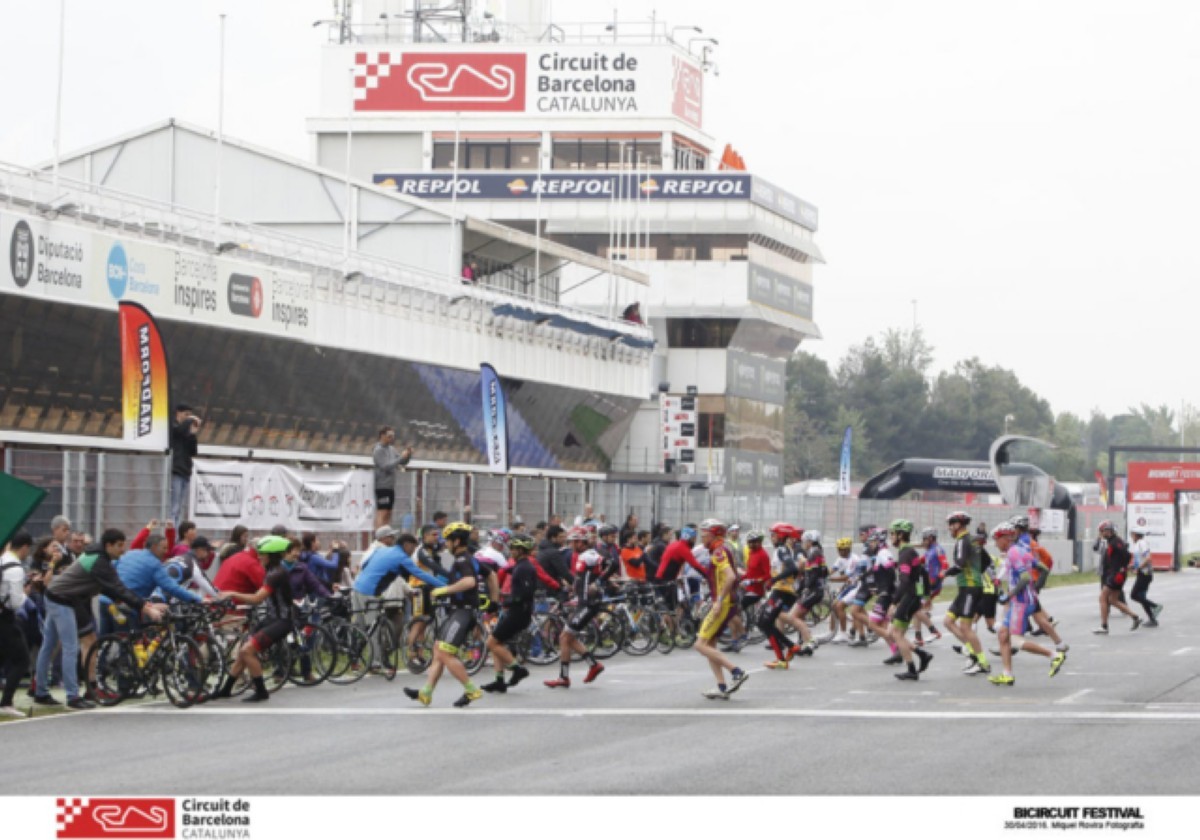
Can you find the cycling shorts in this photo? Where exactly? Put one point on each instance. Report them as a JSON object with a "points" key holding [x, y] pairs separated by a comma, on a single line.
{"points": [[716, 620], [270, 632], [670, 595], [811, 598], [987, 605], [906, 609], [582, 617], [457, 627], [749, 599], [1016, 617], [511, 623], [967, 602], [882, 604]]}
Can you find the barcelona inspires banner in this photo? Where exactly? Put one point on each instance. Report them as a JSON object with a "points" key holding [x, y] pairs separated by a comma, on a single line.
{"points": [[145, 392], [495, 421]]}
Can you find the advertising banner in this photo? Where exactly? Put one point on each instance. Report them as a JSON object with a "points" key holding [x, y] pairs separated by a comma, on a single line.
{"points": [[260, 496], [18, 500], [778, 291], [600, 186], [145, 385], [1150, 493], [559, 79], [45, 259], [679, 433], [495, 418], [844, 471], [756, 377]]}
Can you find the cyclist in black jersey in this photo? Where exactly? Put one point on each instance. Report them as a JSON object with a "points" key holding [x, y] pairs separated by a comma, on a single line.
{"points": [[912, 582], [463, 593], [517, 616], [276, 591]]}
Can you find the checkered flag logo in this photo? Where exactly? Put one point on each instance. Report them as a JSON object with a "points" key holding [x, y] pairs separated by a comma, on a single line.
{"points": [[68, 811], [369, 68]]}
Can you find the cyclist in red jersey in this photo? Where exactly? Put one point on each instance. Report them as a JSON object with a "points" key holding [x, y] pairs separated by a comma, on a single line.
{"points": [[673, 559]]}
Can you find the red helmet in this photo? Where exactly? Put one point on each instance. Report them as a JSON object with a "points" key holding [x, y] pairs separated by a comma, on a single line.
{"points": [[714, 526], [577, 534]]}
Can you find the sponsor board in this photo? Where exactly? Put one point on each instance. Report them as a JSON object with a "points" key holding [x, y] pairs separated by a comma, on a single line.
{"points": [[765, 194], [1149, 494], [1159, 521], [259, 496], [679, 422], [756, 377], [558, 79], [778, 291], [566, 186], [45, 259]]}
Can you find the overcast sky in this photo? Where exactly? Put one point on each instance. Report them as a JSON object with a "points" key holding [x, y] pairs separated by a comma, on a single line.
{"points": [[1027, 172]]}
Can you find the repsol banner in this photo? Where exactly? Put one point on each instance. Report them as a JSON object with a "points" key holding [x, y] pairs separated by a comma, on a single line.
{"points": [[260, 496], [656, 186]]}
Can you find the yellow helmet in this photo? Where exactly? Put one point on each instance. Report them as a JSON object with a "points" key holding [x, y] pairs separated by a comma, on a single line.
{"points": [[455, 528], [845, 542]]}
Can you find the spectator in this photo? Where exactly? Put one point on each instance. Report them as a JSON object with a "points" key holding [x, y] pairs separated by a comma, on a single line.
{"points": [[183, 450], [554, 556], [470, 272], [60, 531], [385, 537], [588, 515], [185, 535], [188, 568], [78, 542], [555, 519], [239, 538], [517, 526], [658, 545], [142, 571], [70, 594], [243, 572], [633, 557], [633, 313], [343, 577], [387, 459], [629, 528], [14, 652]]}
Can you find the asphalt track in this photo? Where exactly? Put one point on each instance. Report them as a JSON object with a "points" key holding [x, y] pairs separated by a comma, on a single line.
{"points": [[1123, 717]]}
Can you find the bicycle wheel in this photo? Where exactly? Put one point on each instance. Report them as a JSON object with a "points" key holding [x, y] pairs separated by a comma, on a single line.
{"points": [[668, 628], [216, 663], [473, 653], [754, 634], [389, 657], [182, 667], [609, 634], [419, 654], [353, 654], [642, 637], [544, 634], [111, 669], [818, 613], [277, 664], [313, 655], [688, 629]]}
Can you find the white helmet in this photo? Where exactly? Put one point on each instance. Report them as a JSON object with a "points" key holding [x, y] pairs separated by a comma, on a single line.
{"points": [[590, 558], [811, 537]]}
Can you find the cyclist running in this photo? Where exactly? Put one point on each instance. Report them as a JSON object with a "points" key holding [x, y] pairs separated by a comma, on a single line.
{"points": [[517, 594], [1113, 568], [589, 590], [968, 572], [848, 569], [811, 559], [935, 567], [991, 579], [883, 585], [758, 574], [783, 594], [463, 594], [276, 593], [1140, 552], [912, 581], [1019, 600], [724, 605], [863, 591]]}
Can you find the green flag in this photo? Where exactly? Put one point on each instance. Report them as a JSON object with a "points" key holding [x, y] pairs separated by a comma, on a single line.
{"points": [[18, 499]]}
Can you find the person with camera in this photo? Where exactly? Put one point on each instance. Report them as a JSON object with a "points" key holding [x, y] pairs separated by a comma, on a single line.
{"points": [[183, 449], [387, 461]]}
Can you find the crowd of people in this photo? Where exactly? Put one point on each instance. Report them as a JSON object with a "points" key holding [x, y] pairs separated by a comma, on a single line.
{"points": [[59, 592]]}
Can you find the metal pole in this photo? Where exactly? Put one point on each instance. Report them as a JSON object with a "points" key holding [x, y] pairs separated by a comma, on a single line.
{"points": [[349, 143], [537, 223], [62, 38], [220, 132], [454, 190]]}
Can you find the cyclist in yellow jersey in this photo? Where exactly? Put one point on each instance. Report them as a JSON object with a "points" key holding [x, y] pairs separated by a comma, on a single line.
{"points": [[724, 593]]}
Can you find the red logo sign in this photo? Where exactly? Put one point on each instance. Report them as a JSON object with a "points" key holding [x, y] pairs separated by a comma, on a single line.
{"points": [[102, 818], [437, 81], [687, 85]]}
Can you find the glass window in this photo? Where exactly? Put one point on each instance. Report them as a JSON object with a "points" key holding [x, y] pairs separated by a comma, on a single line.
{"points": [[523, 156], [710, 431], [594, 156], [565, 154], [443, 155], [476, 156], [701, 333]]}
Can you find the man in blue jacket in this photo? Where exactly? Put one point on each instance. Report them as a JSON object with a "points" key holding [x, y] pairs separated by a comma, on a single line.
{"points": [[381, 571], [143, 571]]}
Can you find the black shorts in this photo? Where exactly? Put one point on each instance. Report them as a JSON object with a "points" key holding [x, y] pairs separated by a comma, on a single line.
{"points": [[906, 609], [270, 632], [85, 621], [749, 599], [511, 623], [1111, 583], [811, 598], [385, 499], [670, 594], [987, 605], [582, 617], [457, 627], [967, 602]]}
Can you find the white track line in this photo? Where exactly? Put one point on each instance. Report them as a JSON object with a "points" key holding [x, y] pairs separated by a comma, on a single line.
{"points": [[722, 711], [1071, 698]]}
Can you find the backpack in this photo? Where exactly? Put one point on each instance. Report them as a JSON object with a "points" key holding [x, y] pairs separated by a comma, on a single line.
{"points": [[4, 567]]}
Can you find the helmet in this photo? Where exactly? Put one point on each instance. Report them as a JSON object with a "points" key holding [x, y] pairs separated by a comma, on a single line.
{"points": [[901, 526], [714, 526], [784, 531], [607, 529], [501, 536], [456, 529], [959, 516], [577, 534], [754, 536], [1138, 529], [1020, 522], [845, 542], [687, 532], [272, 545], [1004, 529], [926, 533], [1106, 525], [590, 558], [521, 543], [812, 537], [735, 527]]}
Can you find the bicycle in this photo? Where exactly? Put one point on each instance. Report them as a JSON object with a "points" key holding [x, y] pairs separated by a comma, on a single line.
{"points": [[144, 661], [472, 653]]}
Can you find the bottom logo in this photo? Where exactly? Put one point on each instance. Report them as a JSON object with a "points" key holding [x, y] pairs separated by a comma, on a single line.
{"points": [[95, 818]]}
